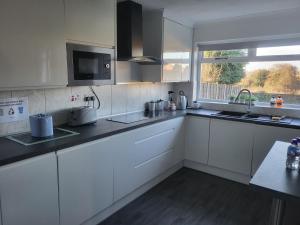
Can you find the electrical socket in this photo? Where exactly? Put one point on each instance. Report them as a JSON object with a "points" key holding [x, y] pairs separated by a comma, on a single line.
{"points": [[89, 98]]}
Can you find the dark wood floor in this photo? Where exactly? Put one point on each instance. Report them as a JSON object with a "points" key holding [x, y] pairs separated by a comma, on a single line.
{"points": [[189, 197]]}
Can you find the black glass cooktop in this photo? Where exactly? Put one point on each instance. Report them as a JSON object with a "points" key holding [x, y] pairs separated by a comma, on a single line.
{"points": [[129, 118], [27, 139], [135, 117]]}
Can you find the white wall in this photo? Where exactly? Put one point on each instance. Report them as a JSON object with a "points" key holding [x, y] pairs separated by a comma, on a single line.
{"points": [[115, 99], [256, 27]]}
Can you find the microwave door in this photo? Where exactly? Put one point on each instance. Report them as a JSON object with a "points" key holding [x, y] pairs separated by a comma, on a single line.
{"points": [[86, 65]]}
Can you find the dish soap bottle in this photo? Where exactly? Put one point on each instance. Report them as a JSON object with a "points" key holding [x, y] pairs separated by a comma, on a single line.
{"points": [[279, 101]]}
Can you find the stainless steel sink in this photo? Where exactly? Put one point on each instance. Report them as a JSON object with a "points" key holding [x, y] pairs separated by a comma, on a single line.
{"points": [[252, 116], [230, 114]]}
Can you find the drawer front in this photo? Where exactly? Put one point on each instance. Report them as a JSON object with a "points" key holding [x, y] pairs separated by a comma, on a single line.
{"points": [[150, 152], [150, 147]]}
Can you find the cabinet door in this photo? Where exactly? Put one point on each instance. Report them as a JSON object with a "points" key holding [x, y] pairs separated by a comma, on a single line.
{"points": [[230, 146], [29, 192], [265, 137], [91, 21], [85, 181], [151, 151], [32, 47], [177, 51], [197, 139]]}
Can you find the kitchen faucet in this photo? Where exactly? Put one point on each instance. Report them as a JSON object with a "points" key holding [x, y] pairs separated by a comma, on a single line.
{"points": [[250, 96]]}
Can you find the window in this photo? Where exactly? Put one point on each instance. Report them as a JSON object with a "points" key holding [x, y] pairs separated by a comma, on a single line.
{"points": [[267, 71]]}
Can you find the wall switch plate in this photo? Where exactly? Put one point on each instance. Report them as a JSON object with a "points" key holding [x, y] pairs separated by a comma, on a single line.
{"points": [[13, 109]]}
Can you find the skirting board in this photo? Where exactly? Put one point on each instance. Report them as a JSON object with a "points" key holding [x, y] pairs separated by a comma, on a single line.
{"points": [[217, 172], [132, 196]]}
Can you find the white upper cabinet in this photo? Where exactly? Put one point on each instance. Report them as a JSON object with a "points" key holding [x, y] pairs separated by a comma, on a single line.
{"points": [[177, 51], [91, 21], [230, 146], [29, 192], [32, 47], [85, 180], [172, 43]]}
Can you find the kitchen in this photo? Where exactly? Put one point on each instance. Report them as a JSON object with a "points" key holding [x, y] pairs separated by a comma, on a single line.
{"points": [[116, 112]]}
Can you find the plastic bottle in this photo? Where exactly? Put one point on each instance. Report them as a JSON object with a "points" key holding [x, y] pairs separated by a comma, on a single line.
{"points": [[298, 152], [279, 101], [273, 100], [293, 153]]}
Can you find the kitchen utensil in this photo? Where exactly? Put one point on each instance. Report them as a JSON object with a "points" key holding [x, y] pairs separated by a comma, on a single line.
{"points": [[41, 125], [151, 106], [173, 106], [159, 105], [196, 105]]}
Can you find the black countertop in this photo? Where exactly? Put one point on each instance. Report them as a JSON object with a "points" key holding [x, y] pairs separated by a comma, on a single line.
{"points": [[12, 152], [273, 177]]}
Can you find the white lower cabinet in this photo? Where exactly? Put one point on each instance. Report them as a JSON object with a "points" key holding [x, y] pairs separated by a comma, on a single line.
{"points": [[265, 137], [150, 152], [85, 180], [197, 139], [230, 146], [29, 192]]}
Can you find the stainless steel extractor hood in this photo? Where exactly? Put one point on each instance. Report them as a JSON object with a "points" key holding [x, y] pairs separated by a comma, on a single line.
{"points": [[130, 34]]}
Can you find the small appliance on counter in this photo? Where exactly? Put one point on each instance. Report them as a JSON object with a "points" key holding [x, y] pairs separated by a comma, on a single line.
{"points": [[158, 105], [82, 115], [171, 104], [150, 106], [196, 105], [182, 101], [41, 125]]}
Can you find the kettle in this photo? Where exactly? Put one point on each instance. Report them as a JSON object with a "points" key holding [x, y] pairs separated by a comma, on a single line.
{"points": [[182, 101]]}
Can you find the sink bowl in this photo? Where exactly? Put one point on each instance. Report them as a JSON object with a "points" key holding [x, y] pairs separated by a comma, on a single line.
{"points": [[230, 114], [251, 116]]}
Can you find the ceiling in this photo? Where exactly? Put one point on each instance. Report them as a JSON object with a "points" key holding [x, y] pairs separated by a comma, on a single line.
{"points": [[202, 11]]}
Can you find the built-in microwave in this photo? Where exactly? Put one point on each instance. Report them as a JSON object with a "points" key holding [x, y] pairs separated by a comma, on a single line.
{"points": [[90, 65]]}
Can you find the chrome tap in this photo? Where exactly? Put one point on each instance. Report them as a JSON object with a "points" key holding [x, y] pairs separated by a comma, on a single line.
{"points": [[250, 96]]}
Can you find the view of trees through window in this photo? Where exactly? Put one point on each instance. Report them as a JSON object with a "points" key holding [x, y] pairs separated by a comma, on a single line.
{"points": [[220, 80]]}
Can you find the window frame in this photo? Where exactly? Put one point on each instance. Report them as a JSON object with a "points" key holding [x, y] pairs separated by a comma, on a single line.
{"points": [[251, 57]]}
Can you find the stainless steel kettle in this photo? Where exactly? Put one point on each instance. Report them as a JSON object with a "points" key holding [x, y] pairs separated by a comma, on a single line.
{"points": [[181, 101]]}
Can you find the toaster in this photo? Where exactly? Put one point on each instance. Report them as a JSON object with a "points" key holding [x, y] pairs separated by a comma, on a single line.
{"points": [[82, 115]]}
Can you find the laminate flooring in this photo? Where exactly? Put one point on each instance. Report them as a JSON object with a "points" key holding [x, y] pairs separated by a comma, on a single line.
{"points": [[190, 197]]}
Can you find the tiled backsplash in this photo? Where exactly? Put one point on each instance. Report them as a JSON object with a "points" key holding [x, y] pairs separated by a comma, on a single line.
{"points": [[115, 99]]}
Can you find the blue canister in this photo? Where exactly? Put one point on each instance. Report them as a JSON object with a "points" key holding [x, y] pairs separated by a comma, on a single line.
{"points": [[41, 125]]}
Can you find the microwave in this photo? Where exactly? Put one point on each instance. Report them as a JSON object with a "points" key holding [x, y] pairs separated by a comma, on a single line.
{"points": [[90, 65]]}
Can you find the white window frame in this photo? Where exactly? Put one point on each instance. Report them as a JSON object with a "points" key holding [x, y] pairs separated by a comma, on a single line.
{"points": [[251, 57]]}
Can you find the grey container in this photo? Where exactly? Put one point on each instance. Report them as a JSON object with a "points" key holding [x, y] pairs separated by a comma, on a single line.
{"points": [[159, 105], [41, 125]]}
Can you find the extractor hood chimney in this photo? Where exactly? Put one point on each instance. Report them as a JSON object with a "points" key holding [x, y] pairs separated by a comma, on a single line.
{"points": [[130, 34]]}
